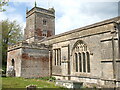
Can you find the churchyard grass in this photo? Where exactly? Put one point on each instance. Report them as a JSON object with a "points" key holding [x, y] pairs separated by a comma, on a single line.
{"points": [[15, 82]]}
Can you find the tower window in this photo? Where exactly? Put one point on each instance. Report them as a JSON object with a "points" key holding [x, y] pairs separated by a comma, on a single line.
{"points": [[44, 22], [44, 33]]}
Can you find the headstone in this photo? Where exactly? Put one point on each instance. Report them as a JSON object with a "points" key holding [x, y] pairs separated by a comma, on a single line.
{"points": [[31, 87], [10, 72], [69, 84]]}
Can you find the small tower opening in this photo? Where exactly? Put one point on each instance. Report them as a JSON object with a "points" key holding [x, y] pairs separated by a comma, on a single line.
{"points": [[13, 62], [44, 22], [44, 33]]}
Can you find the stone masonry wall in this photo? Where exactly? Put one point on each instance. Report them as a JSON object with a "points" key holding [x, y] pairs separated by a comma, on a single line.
{"points": [[35, 62], [98, 38], [16, 56], [30, 26]]}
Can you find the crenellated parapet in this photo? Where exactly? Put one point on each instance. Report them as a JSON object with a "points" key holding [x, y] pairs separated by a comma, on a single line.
{"points": [[49, 11], [28, 45], [17, 45]]}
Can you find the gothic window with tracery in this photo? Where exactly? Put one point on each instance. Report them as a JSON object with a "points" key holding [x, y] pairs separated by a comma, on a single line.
{"points": [[81, 57]]}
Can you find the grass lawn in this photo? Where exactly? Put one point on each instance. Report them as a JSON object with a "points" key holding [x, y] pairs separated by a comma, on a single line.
{"points": [[14, 82]]}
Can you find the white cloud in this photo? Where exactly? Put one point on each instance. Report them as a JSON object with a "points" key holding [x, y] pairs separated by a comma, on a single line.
{"points": [[11, 15], [70, 14], [74, 14], [18, 18], [3, 16]]}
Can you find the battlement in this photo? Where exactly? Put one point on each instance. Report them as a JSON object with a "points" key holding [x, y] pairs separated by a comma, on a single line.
{"points": [[49, 11], [24, 44], [17, 45]]}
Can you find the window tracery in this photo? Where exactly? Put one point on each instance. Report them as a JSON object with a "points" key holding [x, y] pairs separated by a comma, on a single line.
{"points": [[81, 58]]}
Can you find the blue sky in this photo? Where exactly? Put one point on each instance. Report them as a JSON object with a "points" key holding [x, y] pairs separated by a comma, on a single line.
{"points": [[70, 14]]}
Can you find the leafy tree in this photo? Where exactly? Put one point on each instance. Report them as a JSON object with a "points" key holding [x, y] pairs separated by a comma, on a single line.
{"points": [[2, 3], [11, 34]]}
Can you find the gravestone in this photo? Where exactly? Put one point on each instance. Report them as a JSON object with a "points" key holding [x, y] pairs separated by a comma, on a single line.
{"points": [[10, 72], [69, 84], [31, 87]]}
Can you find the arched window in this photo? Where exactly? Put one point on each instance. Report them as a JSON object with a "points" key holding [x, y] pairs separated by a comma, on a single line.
{"points": [[88, 62], [82, 57], [84, 62], [80, 63], [76, 60]]}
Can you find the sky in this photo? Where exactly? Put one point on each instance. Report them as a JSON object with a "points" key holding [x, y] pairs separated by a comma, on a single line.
{"points": [[69, 14]]}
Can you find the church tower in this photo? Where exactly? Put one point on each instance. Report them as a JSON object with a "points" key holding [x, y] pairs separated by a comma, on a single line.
{"points": [[40, 23]]}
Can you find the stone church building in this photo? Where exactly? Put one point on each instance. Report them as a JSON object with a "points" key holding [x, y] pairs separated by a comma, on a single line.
{"points": [[90, 54]]}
